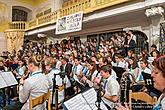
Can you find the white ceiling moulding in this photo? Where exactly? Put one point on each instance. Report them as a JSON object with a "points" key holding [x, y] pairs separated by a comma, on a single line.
{"points": [[41, 35], [153, 11], [40, 30]]}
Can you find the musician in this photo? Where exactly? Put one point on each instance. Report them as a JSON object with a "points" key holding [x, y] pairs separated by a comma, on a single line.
{"points": [[35, 85], [49, 64], [158, 74], [111, 87], [90, 76], [76, 74], [20, 71], [143, 68], [77, 68]]}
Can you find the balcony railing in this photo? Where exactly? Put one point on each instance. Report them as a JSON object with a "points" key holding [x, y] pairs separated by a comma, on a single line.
{"points": [[17, 25], [70, 7]]}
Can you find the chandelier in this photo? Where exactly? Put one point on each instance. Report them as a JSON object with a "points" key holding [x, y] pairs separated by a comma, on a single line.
{"points": [[154, 11]]}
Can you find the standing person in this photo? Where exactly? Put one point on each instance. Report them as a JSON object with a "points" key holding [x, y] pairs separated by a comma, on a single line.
{"points": [[111, 87], [35, 85], [67, 68], [158, 75], [130, 45], [130, 32]]}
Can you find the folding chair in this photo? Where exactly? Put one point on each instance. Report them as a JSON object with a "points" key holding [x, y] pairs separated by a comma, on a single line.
{"points": [[40, 100], [141, 96]]}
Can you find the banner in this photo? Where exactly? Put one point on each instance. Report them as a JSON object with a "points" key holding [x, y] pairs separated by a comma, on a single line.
{"points": [[69, 23]]}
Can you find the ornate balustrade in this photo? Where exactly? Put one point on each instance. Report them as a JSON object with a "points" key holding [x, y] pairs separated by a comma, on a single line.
{"points": [[17, 25], [32, 23], [70, 7], [83, 5]]}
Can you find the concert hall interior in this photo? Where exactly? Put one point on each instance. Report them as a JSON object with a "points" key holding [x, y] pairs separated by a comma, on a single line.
{"points": [[82, 54]]}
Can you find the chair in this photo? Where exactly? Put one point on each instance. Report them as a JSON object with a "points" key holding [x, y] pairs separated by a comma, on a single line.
{"points": [[141, 96], [39, 100]]}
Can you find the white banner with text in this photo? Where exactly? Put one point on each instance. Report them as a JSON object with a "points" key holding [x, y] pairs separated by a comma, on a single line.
{"points": [[69, 23]]}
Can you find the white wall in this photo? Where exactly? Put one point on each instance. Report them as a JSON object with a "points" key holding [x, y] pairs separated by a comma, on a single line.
{"points": [[3, 46]]}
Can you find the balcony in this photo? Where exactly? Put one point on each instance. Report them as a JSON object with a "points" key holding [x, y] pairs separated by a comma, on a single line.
{"points": [[70, 7]]}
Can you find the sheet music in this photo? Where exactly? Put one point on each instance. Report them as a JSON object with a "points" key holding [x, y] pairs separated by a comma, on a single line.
{"points": [[77, 103], [9, 78], [91, 97], [2, 82]]}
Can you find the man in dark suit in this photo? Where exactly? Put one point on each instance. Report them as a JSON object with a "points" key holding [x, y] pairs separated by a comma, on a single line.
{"points": [[130, 44], [67, 68]]}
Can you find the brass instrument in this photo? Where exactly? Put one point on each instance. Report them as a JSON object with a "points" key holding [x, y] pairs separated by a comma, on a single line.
{"points": [[127, 81]]}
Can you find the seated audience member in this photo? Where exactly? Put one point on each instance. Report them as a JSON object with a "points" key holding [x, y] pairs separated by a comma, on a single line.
{"points": [[118, 62], [155, 54], [154, 48]]}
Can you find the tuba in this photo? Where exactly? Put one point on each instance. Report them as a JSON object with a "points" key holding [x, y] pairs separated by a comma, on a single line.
{"points": [[126, 82]]}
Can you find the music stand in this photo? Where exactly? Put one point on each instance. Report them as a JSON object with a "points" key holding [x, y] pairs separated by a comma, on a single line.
{"points": [[7, 79], [149, 83], [147, 79], [84, 100]]}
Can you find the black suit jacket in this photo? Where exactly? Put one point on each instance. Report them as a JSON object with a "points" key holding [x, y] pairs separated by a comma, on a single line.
{"points": [[132, 45], [68, 68]]}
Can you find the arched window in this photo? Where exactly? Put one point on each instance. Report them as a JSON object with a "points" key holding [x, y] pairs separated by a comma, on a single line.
{"points": [[19, 15], [141, 41]]}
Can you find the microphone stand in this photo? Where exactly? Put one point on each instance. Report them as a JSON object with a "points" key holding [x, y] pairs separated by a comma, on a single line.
{"points": [[55, 89], [99, 97], [62, 75]]}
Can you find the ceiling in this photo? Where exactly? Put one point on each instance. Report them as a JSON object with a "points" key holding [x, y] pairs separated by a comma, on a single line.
{"points": [[32, 2]]}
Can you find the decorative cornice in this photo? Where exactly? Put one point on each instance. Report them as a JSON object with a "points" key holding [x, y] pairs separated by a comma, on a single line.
{"points": [[154, 11]]}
